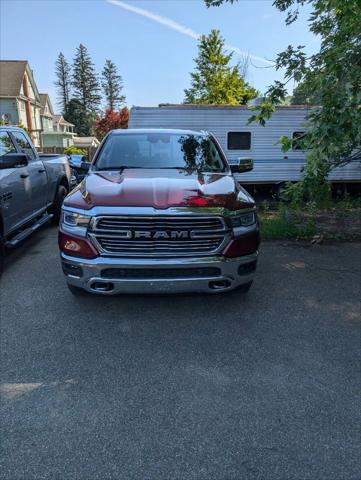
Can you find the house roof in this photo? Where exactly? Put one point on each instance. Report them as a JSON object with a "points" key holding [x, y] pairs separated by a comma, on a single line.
{"points": [[58, 118], [11, 77], [45, 99], [85, 141], [200, 106]]}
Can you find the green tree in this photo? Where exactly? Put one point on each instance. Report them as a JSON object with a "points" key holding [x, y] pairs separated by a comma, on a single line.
{"points": [[63, 81], [301, 96], [84, 121], [85, 81], [214, 81], [112, 84], [333, 75]]}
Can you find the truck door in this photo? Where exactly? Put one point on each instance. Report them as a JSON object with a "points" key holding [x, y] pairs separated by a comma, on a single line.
{"points": [[35, 182], [12, 193]]}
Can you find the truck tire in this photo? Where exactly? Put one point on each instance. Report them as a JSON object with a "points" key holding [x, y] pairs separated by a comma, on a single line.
{"points": [[245, 287], [76, 291], [2, 254], [61, 193]]}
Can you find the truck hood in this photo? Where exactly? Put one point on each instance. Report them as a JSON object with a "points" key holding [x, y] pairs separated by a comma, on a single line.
{"points": [[158, 188]]}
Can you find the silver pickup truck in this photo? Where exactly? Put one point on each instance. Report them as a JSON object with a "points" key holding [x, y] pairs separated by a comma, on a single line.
{"points": [[32, 186]]}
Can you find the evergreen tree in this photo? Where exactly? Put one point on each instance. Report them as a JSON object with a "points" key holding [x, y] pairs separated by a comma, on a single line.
{"points": [[75, 113], [112, 84], [215, 81], [85, 82], [63, 81]]}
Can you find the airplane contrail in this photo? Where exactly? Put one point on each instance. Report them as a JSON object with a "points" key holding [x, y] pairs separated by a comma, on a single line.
{"points": [[171, 24]]}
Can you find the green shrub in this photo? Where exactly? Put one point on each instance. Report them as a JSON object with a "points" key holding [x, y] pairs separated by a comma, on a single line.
{"points": [[73, 150]]}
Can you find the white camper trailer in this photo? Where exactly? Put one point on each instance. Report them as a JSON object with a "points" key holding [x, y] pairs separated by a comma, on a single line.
{"points": [[239, 139]]}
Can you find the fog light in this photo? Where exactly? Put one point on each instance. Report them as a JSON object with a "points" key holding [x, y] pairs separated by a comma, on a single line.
{"points": [[247, 268], [70, 269], [77, 247], [72, 245]]}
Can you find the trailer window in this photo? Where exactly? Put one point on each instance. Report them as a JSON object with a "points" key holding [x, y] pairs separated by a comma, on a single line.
{"points": [[297, 140], [239, 141]]}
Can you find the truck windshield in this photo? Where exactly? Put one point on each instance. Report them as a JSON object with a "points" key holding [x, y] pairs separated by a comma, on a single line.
{"points": [[160, 150]]}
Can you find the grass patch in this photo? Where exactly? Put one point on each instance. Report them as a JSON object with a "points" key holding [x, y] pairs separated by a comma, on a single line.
{"points": [[340, 221], [280, 225], [346, 204]]}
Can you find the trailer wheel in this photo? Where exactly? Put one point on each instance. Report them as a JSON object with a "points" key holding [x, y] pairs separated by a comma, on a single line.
{"points": [[278, 190]]}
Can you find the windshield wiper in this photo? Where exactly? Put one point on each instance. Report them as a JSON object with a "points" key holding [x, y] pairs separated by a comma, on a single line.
{"points": [[120, 168]]}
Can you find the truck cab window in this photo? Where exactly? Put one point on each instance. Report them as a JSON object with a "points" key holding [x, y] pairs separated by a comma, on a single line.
{"points": [[160, 150], [24, 144], [239, 141], [6, 144]]}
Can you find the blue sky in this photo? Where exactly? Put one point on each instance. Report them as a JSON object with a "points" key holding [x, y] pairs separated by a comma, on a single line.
{"points": [[154, 55]]}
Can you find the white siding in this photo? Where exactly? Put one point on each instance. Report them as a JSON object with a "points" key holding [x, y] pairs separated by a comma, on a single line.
{"points": [[270, 163], [22, 113], [30, 88]]}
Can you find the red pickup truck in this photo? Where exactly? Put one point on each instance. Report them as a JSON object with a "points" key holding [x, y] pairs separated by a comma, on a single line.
{"points": [[159, 211]]}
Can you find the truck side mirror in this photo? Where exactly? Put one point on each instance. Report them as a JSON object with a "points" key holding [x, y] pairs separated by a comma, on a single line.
{"points": [[244, 165], [85, 166], [13, 160]]}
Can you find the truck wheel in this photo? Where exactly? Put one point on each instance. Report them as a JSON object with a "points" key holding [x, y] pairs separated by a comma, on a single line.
{"points": [[245, 287], [61, 193], [2, 254], [76, 291]]}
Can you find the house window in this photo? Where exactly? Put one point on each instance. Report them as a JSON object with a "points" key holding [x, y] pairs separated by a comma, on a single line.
{"points": [[297, 140], [6, 117], [239, 141]]}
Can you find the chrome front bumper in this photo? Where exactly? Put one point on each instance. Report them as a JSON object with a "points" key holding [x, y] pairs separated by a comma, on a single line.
{"points": [[233, 272]]}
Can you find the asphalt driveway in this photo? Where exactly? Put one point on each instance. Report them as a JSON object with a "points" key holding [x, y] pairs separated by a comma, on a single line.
{"points": [[261, 386]]}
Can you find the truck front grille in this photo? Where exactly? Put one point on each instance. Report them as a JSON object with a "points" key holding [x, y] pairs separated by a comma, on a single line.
{"points": [[158, 236], [161, 273]]}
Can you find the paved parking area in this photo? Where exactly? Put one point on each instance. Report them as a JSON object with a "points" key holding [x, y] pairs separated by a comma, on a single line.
{"points": [[261, 386]]}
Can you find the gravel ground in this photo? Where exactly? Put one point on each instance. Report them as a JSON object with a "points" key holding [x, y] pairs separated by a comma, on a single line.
{"points": [[258, 386]]}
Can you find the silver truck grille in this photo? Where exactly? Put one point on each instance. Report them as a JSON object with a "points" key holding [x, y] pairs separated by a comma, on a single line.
{"points": [[158, 236]]}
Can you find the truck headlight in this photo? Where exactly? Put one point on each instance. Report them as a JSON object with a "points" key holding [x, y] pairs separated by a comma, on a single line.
{"points": [[73, 219], [243, 220]]}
